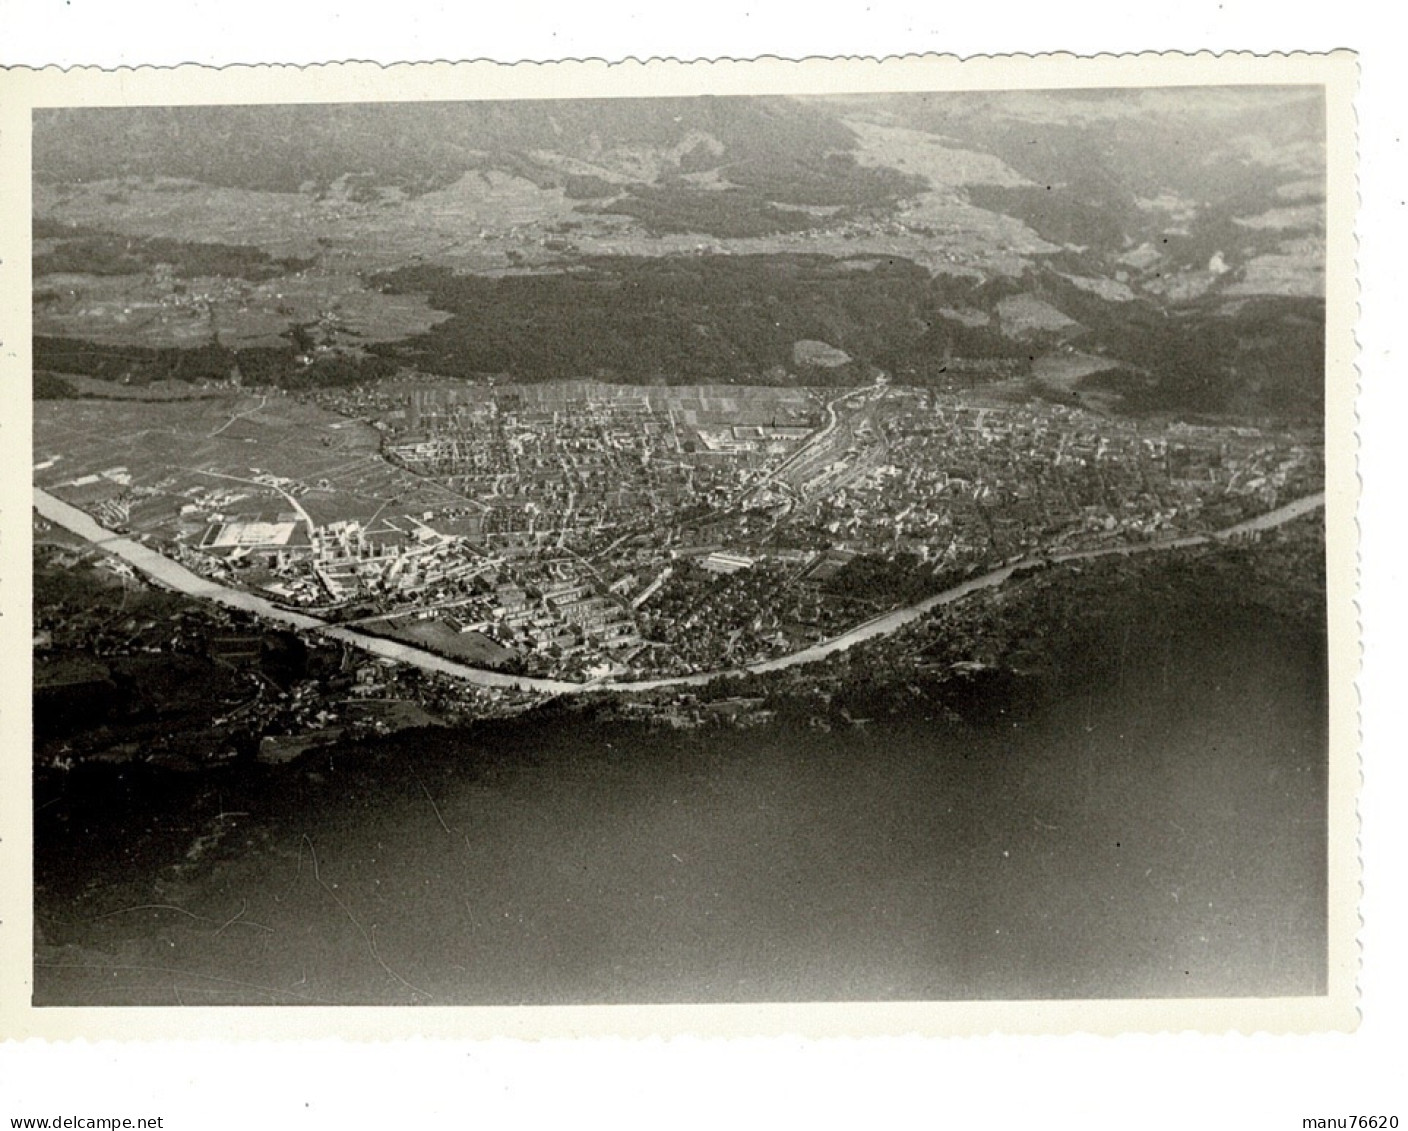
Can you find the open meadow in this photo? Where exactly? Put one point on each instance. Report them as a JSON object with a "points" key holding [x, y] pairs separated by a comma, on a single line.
{"points": [[229, 454]]}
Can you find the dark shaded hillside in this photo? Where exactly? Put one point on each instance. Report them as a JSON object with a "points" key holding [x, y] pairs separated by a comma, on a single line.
{"points": [[767, 149], [1062, 214], [1094, 155], [1095, 158], [1264, 356], [413, 146]]}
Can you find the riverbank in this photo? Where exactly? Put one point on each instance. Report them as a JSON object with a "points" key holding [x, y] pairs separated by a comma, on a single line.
{"points": [[178, 577]]}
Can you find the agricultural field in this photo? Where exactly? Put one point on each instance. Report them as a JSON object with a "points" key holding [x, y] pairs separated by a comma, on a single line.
{"points": [[470, 647], [167, 467], [491, 223]]}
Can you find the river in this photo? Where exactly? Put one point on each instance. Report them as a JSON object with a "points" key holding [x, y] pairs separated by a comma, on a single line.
{"points": [[178, 577]]}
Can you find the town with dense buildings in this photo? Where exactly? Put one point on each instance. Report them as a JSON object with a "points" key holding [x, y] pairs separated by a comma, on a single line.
{"points": [[607, 413], [590, 532]]}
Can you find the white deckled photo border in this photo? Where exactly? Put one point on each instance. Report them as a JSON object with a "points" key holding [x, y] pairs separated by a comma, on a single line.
{"points": [[22, 91]]}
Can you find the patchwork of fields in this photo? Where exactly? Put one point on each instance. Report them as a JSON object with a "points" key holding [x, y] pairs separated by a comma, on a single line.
{"points": [[167, 467]]}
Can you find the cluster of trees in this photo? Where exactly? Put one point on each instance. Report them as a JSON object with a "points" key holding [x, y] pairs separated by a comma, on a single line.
{"points": [[883, 582], [709, 319], [1070, 632], [759, 184], [279, 366], [1261, 357], [52, 387], [1061, 214], [137, 365], [85, 251]]}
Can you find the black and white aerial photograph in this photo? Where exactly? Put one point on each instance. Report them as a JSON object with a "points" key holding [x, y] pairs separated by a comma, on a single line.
{"points": [[702, 550]]}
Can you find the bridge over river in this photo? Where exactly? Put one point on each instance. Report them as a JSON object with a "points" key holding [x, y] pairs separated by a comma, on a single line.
{"points": [[176, 576]]}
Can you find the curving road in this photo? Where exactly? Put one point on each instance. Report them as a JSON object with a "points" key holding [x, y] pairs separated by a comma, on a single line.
{"points": [[175, 576], [178, 577]]}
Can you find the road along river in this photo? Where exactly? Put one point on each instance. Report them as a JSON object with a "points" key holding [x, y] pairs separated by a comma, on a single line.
{"points": [[176, 576]]}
